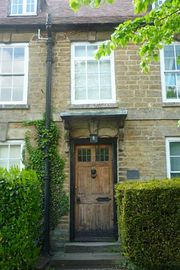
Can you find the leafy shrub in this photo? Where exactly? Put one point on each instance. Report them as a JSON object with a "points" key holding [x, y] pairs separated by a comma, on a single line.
{"points": [[34, 159], [20, 219], [149, 218]]}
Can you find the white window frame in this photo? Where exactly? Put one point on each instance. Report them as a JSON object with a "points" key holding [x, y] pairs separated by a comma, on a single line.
{"points": [[163, 84], [26, 61], [24, 12], [14, 142], [168, 160], [86, 101]]}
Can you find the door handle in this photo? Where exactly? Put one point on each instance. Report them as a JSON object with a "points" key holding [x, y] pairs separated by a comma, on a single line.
{"points": [[78, 200]]}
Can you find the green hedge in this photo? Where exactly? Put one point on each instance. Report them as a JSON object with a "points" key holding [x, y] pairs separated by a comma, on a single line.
{"points": [[20, 218], [149, 222]]}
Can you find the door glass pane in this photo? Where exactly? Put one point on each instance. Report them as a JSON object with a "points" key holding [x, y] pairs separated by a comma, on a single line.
{"points": [[102, 154], [175, 148], [175, 163], [84, 155]]}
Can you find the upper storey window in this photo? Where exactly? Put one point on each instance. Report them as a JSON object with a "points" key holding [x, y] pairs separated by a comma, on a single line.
{"points": [[92, 80], [170, 72], [23, 7], [13, 73]]}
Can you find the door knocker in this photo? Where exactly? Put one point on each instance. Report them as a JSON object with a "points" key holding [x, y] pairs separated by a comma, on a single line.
{"points": [[93, 172]]}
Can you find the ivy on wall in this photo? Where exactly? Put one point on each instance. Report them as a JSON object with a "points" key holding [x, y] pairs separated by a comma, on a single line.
{"points": [[34, 156]]}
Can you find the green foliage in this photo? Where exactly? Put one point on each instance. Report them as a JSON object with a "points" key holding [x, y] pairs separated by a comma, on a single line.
{"points": [[150, 31], [20, 219], [148, 217], [34, 159], [76, 4]]}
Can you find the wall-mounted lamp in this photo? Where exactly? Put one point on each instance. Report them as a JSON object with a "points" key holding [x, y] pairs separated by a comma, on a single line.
{"points": [[93, 138]]}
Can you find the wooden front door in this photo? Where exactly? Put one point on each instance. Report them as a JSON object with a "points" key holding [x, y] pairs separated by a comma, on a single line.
{"points": [[94, 210]]}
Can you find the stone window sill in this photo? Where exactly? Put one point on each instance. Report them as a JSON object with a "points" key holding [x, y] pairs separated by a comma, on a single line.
{"points": [[169, 105], [14, 107], [94, 106]]}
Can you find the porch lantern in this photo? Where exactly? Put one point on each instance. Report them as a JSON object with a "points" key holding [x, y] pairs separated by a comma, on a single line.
{"points": [[93, 138]]}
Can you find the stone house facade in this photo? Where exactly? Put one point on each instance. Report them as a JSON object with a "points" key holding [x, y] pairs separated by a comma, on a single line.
{"points": [[116, 122]]}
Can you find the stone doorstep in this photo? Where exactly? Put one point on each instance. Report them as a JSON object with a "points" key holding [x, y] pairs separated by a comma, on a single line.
{"points": [[87, 260], [84, 247]]}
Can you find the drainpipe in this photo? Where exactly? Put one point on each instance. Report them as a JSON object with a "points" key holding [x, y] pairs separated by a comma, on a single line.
{"points": [[47, 177]]}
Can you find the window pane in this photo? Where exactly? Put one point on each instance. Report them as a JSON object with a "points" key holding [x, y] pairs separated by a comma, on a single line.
{"points": [[175, 148], [105, 93], [3, 151], [91, 50], [93, 86], [80, 51], [5, 94], [30, 6], [169, 64], [3, 164], [15, 151], [18, 65], [80, 93], [175, 175], [93, 93], [6, 81], [170, 81], [80, 67], [177, 47], [171, 92], [7, 56], [92, 67], [14, 163], [175, 163], [80, 81], [169, 51], [17, 6], [105, 67]]}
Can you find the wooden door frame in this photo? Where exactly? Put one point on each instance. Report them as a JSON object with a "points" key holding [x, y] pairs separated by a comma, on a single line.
{"points": [[73, 142]]}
